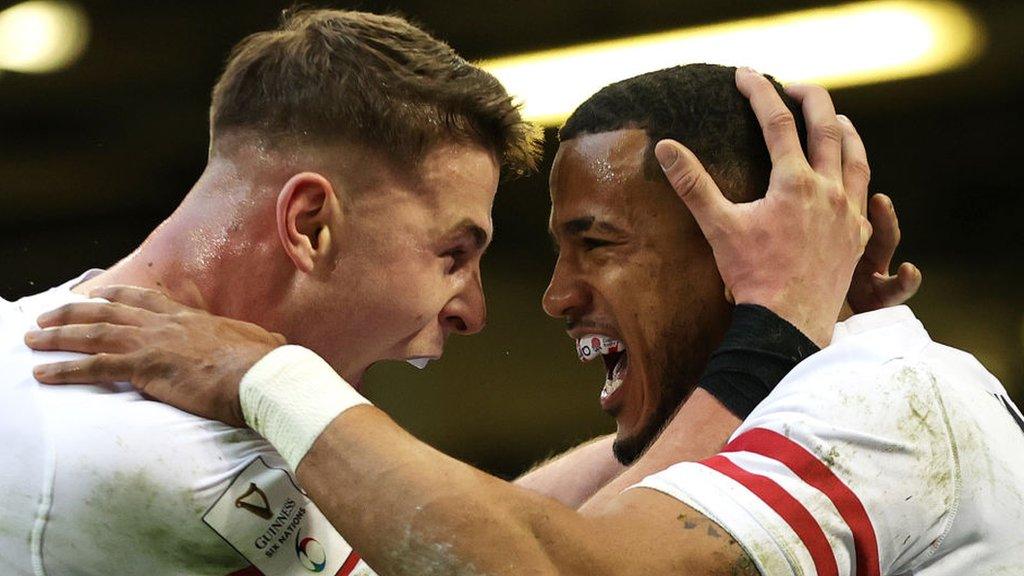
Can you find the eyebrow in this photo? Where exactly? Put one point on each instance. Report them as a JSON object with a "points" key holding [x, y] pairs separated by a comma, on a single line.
{"points": [[577, 226], [469, 228]]}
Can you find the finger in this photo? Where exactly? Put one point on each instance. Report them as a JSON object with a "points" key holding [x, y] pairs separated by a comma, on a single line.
{"points": [[856, 170], [909, 280], [86, 338], [885, 237], [144, 298], [897, 289], [694, 185], [97, 369], [824, 132], [93, 312], [777, 122]]}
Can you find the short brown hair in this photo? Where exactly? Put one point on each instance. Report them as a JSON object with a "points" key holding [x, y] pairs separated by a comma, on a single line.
{"points": [[372, 79]]}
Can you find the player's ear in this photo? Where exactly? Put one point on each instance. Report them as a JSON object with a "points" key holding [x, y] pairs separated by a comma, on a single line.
{"points": [[307, 208]]}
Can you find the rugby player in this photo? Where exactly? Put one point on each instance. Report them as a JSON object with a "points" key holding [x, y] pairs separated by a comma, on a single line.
{"points": [[866, 460], [325, 133]]}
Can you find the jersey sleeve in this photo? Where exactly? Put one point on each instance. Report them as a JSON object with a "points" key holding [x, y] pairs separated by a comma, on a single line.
{"points": [[267, 519], [846, 469]]}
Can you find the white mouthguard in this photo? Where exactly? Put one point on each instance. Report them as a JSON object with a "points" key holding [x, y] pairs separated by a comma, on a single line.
{"points": [[593, 345], [420, 363]]}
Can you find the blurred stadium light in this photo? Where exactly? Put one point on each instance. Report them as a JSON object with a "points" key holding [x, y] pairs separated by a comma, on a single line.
{"points": [[860, 43], [42, 36]]}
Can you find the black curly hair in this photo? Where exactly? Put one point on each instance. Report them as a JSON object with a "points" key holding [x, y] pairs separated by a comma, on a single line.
{"points": [[697, 105]]}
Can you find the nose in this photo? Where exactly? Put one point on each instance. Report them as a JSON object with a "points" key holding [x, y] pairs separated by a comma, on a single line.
{"points": [[565, 295], [466, 313]]}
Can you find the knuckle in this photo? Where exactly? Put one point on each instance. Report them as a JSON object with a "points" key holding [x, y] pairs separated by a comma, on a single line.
{"points": [[136, 339], [799, 178], [836, 196], [781, 120], [97, 332], [828, 132], [866, 231], [685, 181], [859, 168]]}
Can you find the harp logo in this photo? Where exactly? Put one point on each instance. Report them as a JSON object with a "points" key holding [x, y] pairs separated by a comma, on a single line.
{"points": [[310, 552], [254, 500]]}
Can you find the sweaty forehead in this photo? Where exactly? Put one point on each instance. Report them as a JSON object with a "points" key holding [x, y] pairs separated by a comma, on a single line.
{"points": [[601, 162], [607, 175]]}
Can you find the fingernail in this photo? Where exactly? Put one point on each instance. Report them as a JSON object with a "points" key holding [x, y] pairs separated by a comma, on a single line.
{"points": [[842, 118], [666, 155], [31, 336], [747, 70], [41, 371]]}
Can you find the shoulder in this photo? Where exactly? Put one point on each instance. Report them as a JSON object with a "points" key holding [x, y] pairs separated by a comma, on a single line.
{"points": [[136, 481]]}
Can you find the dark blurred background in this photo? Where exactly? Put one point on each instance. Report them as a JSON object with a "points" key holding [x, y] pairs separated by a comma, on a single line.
{"points": [[94, 156]]}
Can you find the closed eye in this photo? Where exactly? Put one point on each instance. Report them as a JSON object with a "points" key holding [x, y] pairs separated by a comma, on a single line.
{"points": [[457, 258], [590, 243]]}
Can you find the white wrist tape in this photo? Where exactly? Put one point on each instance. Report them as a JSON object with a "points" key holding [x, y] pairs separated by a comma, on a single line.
{"points": [[290, 396]]}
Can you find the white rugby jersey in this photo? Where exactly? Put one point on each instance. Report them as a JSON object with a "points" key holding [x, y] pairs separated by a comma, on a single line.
{"points": [[885, 453], [99, 481]]}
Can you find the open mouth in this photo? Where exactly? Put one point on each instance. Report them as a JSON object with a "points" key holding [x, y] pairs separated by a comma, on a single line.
{"points": [[615, 365], [616, 361]]}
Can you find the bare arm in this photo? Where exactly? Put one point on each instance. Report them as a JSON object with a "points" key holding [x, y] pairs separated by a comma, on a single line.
{"points": [[441, 516], [588, 476], [574, 476]]}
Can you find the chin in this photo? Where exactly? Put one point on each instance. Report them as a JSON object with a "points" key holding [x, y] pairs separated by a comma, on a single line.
{"points": [[628, 448]]}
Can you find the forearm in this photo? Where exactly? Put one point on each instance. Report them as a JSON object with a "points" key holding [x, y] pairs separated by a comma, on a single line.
{"points": [[411, 510], [576, 475]]}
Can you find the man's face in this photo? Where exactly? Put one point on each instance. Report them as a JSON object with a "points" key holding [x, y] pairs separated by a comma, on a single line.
{"points": [[633, 267], [408, 265]]}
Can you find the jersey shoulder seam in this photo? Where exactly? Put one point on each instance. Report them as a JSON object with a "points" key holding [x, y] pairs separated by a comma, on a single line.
{"points": [[954, 456]]}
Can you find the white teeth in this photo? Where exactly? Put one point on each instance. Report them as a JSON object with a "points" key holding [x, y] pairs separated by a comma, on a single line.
{"points": [[593, 345], [610, 386], [615, 379], [420, 363]]}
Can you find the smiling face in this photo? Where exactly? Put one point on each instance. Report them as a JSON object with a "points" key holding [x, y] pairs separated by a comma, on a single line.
{"points": [[407, 272], [634, 271]]}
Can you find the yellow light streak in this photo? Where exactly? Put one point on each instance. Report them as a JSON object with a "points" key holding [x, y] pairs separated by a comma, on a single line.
{"points": [[847, 45]]}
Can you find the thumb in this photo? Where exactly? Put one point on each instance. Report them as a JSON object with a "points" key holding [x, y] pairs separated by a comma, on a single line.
{"points": [[692, 183]]}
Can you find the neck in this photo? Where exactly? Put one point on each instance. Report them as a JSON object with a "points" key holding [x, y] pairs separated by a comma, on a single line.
{"points": [[207, 254]]}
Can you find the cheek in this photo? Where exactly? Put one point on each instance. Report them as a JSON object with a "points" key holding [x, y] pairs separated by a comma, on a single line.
{"points": [[410, 294]]}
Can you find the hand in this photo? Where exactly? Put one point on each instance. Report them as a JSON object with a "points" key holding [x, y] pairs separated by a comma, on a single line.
{"points": [[873, 287], [176, 354], [793, 251]]}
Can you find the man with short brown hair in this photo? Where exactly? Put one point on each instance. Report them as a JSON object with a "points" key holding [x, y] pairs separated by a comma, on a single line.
{"points": [[323, 133]]}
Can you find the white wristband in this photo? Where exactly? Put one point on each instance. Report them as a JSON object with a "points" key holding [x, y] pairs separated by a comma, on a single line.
{"points": [[290, 396]]}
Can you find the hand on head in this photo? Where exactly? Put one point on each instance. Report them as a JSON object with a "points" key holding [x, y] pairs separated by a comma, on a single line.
{"points": [[795, 250]]}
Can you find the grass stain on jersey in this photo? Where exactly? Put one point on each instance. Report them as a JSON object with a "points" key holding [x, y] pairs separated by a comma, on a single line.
{"points": [[133, 511]]}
